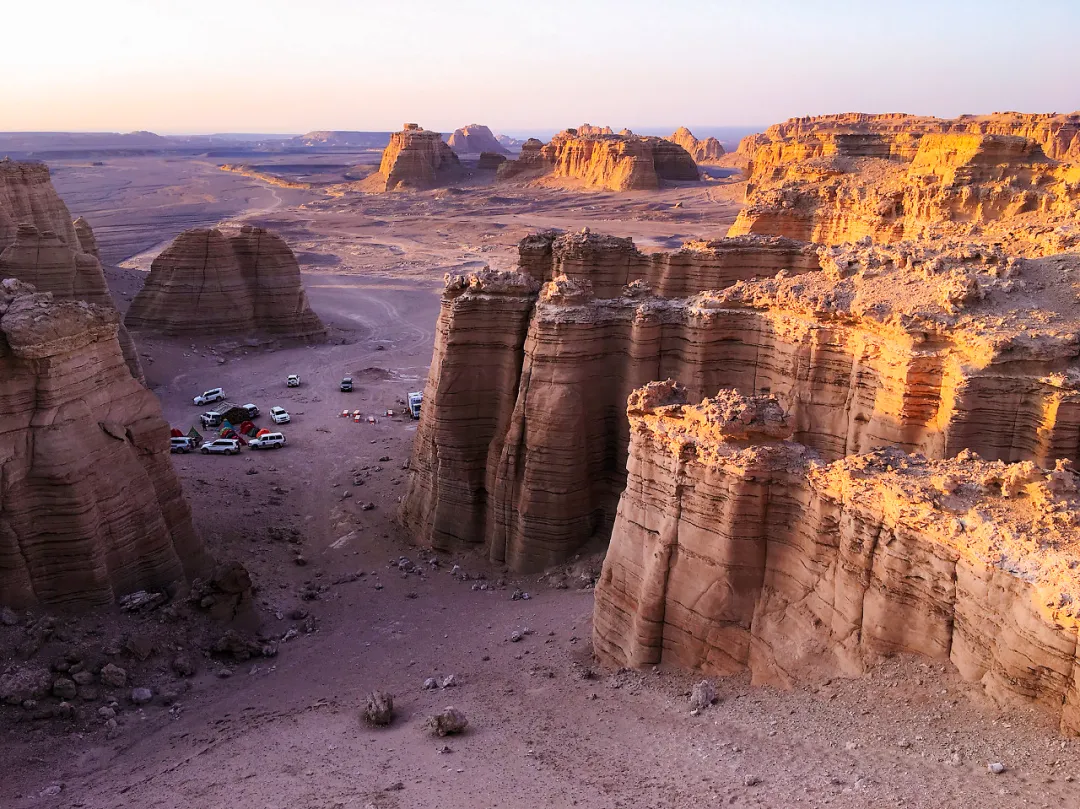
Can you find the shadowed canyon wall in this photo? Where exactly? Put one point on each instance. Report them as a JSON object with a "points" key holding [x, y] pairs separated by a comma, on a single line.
{"points": [[90, 506]]}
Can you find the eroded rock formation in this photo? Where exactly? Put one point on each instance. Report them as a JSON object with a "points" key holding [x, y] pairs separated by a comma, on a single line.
{"points": [[595, 158], [707, 150], [39, 244], [522, 445], [888, 465], [1010, 179], [90, 506], [734, 548], [414, 159], [474, 139], [207, 282]]}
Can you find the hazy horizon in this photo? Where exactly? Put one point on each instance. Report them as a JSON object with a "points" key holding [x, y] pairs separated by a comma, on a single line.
{"points": [[201, 67]]}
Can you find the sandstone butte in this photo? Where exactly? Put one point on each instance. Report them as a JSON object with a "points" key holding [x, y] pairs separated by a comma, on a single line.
{"points": [[1008, 178], [475, 139], [593, 158], [414, 159], [39, 244], [708, 150], [92, 508], [207, 282], [736, 548]]}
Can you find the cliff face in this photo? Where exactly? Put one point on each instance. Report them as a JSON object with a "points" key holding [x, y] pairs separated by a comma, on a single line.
{"points": [[90, 506], [206, 282], [1008, 179], [882, 346], [734, 548], [708, 150], [475, 139], [415, 158], [598, 159], [39, 244]]}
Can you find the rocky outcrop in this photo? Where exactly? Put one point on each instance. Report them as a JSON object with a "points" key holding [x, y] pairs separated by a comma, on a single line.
{"points": [[90, 506], [522, 444], [39, 244], [414, 159], [474, 139], [1013, 180], [734, 548], [207, 282], [708, 150], [609, 263], [489, 161], [594, 158]]}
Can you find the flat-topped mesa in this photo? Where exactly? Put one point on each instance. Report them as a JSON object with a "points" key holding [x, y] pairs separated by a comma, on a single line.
{"points": [[415, 159], [39, 244], [1058, 135], [92, 507], [901, 177], [475, 139], [708, 150], [734, 549], [522, 443], [595, 158], [207, 282], [610, 263]]}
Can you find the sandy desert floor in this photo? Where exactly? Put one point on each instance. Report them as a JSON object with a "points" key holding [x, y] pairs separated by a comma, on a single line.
{"points": [[546, 726]]}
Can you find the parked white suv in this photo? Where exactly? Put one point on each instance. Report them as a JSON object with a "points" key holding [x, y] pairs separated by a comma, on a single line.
{"points": [[293, 381], [212, 395], [222, 446], [182, 444], [279, 415], [268, 441]]}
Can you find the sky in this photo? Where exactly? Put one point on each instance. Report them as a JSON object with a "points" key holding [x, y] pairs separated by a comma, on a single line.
{"points": [[190, 66]]}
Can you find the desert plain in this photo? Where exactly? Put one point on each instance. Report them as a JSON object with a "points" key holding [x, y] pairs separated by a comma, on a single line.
{"points": [[352, 600]]}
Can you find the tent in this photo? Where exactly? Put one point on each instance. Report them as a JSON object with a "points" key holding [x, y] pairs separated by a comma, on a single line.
{"points": [[176, 433], [247, 428], [261, 432], [195, 436]]}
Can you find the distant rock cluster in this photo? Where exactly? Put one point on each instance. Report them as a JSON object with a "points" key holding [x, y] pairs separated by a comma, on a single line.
{"points": [[475, 139], [708, 150], [414, 159], [595, 157]]}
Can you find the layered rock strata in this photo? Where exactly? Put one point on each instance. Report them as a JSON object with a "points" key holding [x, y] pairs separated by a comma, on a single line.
{"points": [[39, 244], [708, 150], [414, 159], [522, 445], [602, 160], [734, 548], [90, 506], [1008, 179], [475, 139], [207, 282]]}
